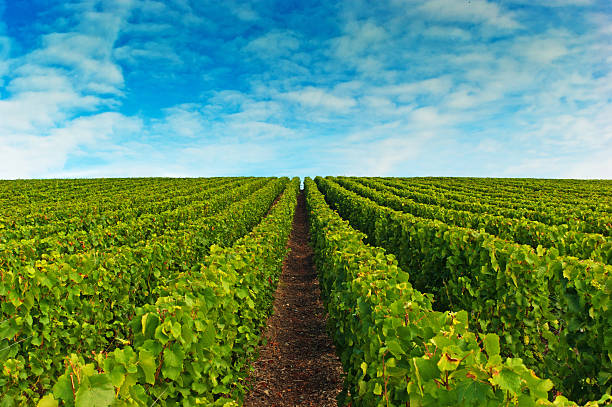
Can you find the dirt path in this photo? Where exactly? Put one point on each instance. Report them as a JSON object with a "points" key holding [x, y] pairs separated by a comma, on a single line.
{"points": [[298, 366]]}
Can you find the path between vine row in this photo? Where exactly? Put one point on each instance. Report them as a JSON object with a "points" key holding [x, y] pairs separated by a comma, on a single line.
{"points": [[298, 365]]}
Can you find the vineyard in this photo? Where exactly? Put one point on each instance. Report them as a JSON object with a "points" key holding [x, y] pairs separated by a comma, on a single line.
{"points": [[438, 291]]}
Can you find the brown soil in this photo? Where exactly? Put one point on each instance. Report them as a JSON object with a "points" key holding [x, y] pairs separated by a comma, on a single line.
{"points": [[298, 365]]}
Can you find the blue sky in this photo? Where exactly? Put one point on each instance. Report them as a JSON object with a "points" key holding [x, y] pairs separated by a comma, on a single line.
{"points": [[397, 88]]}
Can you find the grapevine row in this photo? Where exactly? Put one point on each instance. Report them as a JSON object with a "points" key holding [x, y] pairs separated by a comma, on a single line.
{"points": [[82, 302], [589, 246], [397, 351], [578, 220], [133, 227], [193, 345], [551, 311]]}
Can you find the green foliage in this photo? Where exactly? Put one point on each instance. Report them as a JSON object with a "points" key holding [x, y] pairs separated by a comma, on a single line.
{"points": [[587, 246], [113, 228], [193, 345], [394, 348], [577, 205], [129, 299], [504, 286], [551, 311], [137, 292], [43, 210]]}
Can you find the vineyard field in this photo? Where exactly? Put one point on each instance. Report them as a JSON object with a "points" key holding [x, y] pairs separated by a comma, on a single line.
{"points": [[538, 289], [437, 291]]}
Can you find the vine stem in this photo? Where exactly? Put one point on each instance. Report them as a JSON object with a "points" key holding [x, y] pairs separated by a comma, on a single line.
{"points": [[19, 341], [386, 378], [158, 397]]}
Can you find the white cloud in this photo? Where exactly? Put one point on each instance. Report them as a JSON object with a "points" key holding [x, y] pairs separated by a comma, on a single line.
{"points": [[148, 52], [230, 116], [227, 158], [586, 130], [318, 98], [180, 121], [257, 111], [541, 50], [244, 12], [594, 166], [234, 106], [361, 37], [591, 165], [407, 91], [428, 116], [50, 84], [88, 130], [175, 10], [467, 97], [258, 131], [378, 103], [146, 28], [24, 155], [412, 124], [556, 3], [476, 11], [489, 145], [377, 157], [71, 73], [446, 33], [88, 56], [33, 112], [32, 78], [273, 44]]}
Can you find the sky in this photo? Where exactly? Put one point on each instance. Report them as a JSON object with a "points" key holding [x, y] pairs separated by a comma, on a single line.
{"points": [[179, 88]]}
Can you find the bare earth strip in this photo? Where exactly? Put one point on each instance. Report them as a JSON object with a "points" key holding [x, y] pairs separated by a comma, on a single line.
{"points": [[298, 366]]}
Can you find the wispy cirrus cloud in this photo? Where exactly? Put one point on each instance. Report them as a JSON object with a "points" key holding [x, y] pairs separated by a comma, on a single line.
{"points": [[273, 44], [475, 11], [311, 97]]}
